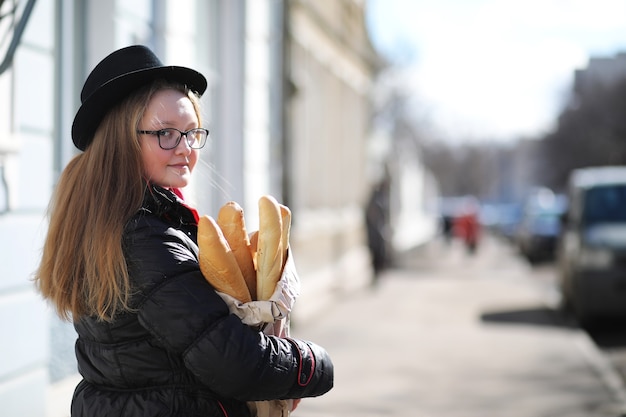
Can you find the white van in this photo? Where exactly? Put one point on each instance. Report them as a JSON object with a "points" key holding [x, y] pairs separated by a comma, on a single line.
{"points": [[592, 253]]}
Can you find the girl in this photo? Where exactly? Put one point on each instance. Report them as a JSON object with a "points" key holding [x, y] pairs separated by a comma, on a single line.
{"points": [[121, 261]]}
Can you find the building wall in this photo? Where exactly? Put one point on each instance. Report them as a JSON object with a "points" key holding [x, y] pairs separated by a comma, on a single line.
{"points": [[331, 69], [39, 97], [600, 72], [26, 99], [414, 191]]}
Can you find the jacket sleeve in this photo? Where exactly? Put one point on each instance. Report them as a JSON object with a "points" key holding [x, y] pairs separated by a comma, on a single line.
{"points": [[185, 314]]}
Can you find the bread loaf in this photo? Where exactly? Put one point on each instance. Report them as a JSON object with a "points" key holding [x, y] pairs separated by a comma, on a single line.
{"points": [[285, 214], [217, 261], [232, 223], [254, 244], [269, 247]]}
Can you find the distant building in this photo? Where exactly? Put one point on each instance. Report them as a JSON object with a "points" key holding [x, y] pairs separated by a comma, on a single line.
{"points": [[600, 71]]}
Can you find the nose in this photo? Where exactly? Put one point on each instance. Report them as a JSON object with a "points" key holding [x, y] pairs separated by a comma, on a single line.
{"points": [[183, 146]]}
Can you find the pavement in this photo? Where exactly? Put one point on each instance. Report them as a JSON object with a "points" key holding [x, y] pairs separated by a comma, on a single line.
{"points": [[449, 334]]}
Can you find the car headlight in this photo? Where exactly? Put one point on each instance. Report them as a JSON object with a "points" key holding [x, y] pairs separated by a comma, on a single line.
{"points": [[596, 258]]}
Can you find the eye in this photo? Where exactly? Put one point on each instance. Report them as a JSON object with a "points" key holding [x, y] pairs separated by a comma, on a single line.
{"points": [[166, 133]]}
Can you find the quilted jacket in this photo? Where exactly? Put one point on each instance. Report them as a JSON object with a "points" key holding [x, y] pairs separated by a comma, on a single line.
{"points": [[179, 352]]}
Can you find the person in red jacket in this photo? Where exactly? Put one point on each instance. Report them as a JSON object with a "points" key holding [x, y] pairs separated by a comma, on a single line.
{"points": [[121, 261], [467, 225]]}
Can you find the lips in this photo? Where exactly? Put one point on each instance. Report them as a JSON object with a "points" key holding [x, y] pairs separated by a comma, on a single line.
{"points": [[180, 165]]}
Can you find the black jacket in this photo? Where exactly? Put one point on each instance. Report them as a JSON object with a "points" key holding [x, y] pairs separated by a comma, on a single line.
{"points": [[180, 352]]}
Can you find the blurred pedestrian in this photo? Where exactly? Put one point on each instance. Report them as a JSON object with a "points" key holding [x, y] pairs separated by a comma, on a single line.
{"points": [[121, 261], [376, 218], [467, 225], [447, 223]]}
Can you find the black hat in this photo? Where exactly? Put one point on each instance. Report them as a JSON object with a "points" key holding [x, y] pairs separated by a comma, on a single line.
{"points": [[117, 76]]}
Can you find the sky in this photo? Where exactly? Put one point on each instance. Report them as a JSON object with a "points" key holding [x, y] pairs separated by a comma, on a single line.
{"points": [[494, 69]]}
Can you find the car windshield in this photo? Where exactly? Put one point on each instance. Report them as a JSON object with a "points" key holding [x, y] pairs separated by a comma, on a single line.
{"points": [[605, 204]]}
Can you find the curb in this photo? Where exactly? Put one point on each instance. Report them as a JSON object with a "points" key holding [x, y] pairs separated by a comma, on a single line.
{"points": [[603, 367]]}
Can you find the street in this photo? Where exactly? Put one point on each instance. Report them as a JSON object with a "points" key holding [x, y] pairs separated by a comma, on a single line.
{"points": [[451, 334]]}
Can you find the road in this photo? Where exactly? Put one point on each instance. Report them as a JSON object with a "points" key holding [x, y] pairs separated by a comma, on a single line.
{"points": [[456, 335]]}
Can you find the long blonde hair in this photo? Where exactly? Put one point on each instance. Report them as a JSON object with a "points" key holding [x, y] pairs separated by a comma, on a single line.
{"points": [[83, 270]]}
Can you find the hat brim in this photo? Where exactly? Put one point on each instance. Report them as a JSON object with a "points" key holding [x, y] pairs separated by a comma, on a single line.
{"points": [[95, 107]]}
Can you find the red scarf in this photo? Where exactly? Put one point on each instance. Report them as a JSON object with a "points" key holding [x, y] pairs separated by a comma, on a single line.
{"points": [[179, 193]]}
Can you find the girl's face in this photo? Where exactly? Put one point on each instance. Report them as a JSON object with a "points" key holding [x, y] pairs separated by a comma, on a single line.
{"points": [[169, 168]]}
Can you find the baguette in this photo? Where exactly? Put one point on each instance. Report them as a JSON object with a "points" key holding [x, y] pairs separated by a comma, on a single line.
{"points": [[232, 222], [254, 244], [285, 214], [269, 247], [218, 263]]}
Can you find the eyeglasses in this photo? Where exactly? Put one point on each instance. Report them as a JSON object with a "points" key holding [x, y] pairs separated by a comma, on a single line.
{"points": [[170, 138]]}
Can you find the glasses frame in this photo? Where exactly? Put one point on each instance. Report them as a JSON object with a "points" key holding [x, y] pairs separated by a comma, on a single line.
{"points": [[160, 132]]}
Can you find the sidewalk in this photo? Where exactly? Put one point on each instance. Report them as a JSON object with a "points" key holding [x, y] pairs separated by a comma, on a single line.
{"points": [[475, 337]]}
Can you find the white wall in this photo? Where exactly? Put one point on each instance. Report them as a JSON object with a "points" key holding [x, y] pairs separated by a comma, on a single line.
{"points": [[257, 163], [26, 100], [39, 96]]}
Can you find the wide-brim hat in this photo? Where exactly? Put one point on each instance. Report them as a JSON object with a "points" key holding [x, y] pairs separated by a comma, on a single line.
{"points": [[117, 76]]}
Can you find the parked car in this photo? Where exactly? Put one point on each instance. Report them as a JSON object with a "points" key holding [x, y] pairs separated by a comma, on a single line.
{"points": [[592, 255], [507, 220], [539, 228]]}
